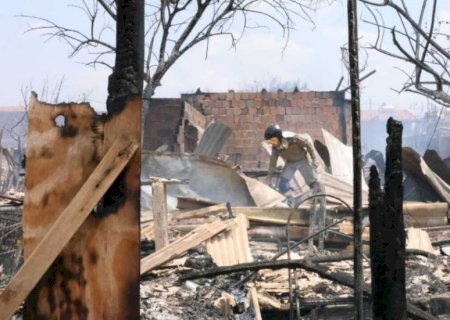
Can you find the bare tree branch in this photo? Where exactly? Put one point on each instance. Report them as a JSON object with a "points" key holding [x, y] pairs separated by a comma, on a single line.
{"points": [[420, 43], [174, 27], [108, 8]]}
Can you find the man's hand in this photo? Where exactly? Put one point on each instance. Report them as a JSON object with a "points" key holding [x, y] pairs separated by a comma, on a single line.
{"points": [[315, 164]]}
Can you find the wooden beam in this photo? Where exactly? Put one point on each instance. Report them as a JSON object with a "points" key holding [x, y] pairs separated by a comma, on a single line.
{"points": [[159, 203], [253, 295], [274, 215], [181, 245], [66, 225], [201, 213]]}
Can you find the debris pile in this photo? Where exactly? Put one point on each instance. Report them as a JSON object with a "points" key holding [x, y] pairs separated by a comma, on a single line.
{"points": [[228, 237], [219, 244]]}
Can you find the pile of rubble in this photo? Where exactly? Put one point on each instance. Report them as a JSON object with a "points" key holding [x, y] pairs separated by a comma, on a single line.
{"points": [[225, 253], [217, 243], [165, 293]]}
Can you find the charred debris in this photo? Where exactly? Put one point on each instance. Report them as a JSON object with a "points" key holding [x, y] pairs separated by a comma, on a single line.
{"points": [[218, 243]]}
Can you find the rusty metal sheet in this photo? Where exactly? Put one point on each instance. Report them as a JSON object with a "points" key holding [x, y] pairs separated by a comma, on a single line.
{"points": [[96, 276], [208, 178]]}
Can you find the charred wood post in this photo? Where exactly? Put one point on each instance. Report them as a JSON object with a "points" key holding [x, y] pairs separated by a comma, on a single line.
{"points": [[356, 143], [376, 217], [387, 233], [96, 275]]}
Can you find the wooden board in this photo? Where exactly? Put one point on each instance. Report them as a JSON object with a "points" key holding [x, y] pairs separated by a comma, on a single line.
{"points": [[181, 245], [231, 247], [65, 226], [96, 276], [419, 240]]}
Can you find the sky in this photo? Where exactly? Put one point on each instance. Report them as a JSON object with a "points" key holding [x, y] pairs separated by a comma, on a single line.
{"points": [[312, 57]]}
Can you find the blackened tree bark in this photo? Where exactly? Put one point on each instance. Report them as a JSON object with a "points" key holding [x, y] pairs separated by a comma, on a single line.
{"points": [[377, 257], [387, 233], [127, 77], [394, 236]]}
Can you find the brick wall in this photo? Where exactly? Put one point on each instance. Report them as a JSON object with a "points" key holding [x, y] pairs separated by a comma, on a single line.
{"points": [[173, 122], [191, 127], [248, 114], [161, 123]]}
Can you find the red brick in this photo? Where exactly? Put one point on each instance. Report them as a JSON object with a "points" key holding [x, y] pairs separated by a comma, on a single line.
{"points": [[266, 110], [297, 110], [246, 119], [225, 103], [215, 111], [295, 102], [257, 118], [234, 104], [273, 110], [310, 95], [267, 119], [285, 103], [280, 110]]}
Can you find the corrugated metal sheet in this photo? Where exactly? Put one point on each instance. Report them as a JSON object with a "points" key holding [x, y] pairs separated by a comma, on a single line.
{"points": [[214, 139]]}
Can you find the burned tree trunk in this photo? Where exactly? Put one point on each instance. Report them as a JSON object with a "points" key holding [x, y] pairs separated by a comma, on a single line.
{"points": [[96, 275], [127, 79], [387, 232]]}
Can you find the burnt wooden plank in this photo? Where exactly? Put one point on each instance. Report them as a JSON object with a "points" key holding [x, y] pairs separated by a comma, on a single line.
{"points": [[65, 226], [97, 273], [188, 241], [96, 276]]}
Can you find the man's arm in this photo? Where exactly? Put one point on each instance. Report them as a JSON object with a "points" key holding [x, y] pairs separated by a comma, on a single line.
{"points": [[272, 163], [303, 142]]}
